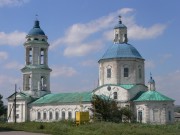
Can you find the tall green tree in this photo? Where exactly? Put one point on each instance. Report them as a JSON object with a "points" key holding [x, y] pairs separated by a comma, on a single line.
{"points": [[2, 107], [107, 109]]}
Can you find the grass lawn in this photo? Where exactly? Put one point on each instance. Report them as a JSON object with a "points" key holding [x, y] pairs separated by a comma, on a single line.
{"points": [[98, 128]]}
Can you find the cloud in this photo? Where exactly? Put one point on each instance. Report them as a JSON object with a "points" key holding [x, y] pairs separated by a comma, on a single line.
{"points": [[76, 36], [89, 63], [135, 31], [63, 71], [13, 39], [82, 49], [169, 84], [139, 32], [3, 56], [13, 65], [12, 2], [149, 64]]}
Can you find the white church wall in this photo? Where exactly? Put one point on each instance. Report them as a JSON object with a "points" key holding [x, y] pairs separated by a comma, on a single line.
{"points": [[117, 71], [21, 111], [59, 112], [122, 94], [155, 112]]}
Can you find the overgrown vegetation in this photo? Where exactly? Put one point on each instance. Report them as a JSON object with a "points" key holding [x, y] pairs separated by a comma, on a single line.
{"points": [[3, 109], [97, 128], [107, 109]]}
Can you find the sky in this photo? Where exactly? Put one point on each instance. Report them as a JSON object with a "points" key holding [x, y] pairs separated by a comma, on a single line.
{"points": [[80, 31]]}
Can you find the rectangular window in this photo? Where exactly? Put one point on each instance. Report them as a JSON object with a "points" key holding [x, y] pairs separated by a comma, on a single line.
{"points": [[57, 115], [109, 73], [126, 72], [115, 95], [44, 116], [63, 115], [155, 115], [169, 115], [17, 116], [69, 115]]}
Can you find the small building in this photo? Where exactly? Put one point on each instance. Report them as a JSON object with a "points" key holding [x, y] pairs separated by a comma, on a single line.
{"points": [[121, 77]]}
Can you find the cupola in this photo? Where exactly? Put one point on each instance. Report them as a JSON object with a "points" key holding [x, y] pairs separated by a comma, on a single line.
{"points": [[120, 33], [36, 30], [151, 83]]}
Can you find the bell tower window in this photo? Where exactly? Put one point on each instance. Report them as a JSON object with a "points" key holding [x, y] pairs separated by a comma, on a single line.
{"points": [[43, 83], [27, 81], [42, 56], [29, 56], [126, 72]]}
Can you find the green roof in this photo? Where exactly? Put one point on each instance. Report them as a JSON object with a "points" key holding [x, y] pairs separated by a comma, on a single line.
{"points": [[151, 96], [64, 98], [125, 86]]}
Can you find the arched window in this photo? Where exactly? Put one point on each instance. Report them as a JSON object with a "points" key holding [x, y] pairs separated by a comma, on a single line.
{"points": [[108, 72], [126, 72], [44, 116], [140, 117], [63, 115], [69, 115], [56, 115], [115, 95], [50, 115], [30, 56], [29, 82], [43, 83], [42, 56], [38, 115]]}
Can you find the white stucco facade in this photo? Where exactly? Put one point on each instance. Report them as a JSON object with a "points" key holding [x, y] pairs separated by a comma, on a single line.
{"points": [[48, 113]]}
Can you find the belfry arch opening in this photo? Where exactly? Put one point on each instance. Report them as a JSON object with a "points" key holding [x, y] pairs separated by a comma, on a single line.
{"points": [[43, 83]]}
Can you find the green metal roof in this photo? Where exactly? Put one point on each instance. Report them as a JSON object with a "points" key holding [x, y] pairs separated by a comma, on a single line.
{"points": [[151, 96], [64, 98]]}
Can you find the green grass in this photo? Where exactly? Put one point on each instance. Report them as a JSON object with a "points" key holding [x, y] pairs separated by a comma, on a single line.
{"points": [[99, 128]]}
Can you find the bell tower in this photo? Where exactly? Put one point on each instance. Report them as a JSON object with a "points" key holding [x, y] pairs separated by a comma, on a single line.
{"points": [[36, 72]]}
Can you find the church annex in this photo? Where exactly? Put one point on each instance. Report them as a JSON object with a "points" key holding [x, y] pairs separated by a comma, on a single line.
{"points": [[121, 76]]}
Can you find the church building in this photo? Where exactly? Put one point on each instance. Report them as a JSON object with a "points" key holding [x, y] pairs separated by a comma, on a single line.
{"points": [[121, 77]]}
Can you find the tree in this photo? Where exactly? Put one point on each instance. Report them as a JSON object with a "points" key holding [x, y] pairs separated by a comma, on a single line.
{"points": [[2, 107], [107, 109]]}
